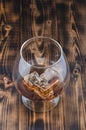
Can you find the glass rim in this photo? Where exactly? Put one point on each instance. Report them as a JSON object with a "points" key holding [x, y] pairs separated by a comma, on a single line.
{"points": [[44, 37]]}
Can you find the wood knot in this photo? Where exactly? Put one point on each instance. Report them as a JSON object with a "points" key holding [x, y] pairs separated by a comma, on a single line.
{"points": [[76, 71]]}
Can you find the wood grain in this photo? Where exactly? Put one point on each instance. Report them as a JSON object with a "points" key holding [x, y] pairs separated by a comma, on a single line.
{"points": [[64, 21]]}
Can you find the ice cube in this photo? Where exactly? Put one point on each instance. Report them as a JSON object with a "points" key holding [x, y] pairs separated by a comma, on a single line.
{"points": [[36, 80], [39, 84], [28, 81], [42, 76], [33, 77], [50, 74], [44, 82]]}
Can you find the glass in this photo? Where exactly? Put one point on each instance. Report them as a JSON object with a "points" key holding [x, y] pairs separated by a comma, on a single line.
{"points": [[40, 73]]}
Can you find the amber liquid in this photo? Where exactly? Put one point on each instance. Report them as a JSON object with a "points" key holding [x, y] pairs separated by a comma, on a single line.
{"points": [[37, 93]]}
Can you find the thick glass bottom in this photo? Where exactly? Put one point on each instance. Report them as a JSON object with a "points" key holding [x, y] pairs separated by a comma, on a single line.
{"points": [[40, 106]]}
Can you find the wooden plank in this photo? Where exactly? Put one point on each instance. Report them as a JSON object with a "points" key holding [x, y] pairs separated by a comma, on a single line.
{"points": [[9, 118]]}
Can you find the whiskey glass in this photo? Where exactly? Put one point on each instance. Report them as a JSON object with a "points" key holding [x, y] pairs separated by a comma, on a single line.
{"points": [[40, 73]]}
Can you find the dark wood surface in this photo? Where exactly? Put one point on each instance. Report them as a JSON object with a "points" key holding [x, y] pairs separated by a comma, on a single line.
{"points": [[64, 21]]}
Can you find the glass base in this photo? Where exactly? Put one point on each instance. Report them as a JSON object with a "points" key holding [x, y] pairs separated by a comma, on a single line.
{"points": [[40, 106]]}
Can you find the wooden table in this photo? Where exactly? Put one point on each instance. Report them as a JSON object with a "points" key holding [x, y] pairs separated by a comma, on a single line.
{"points": [[64, 21]]}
